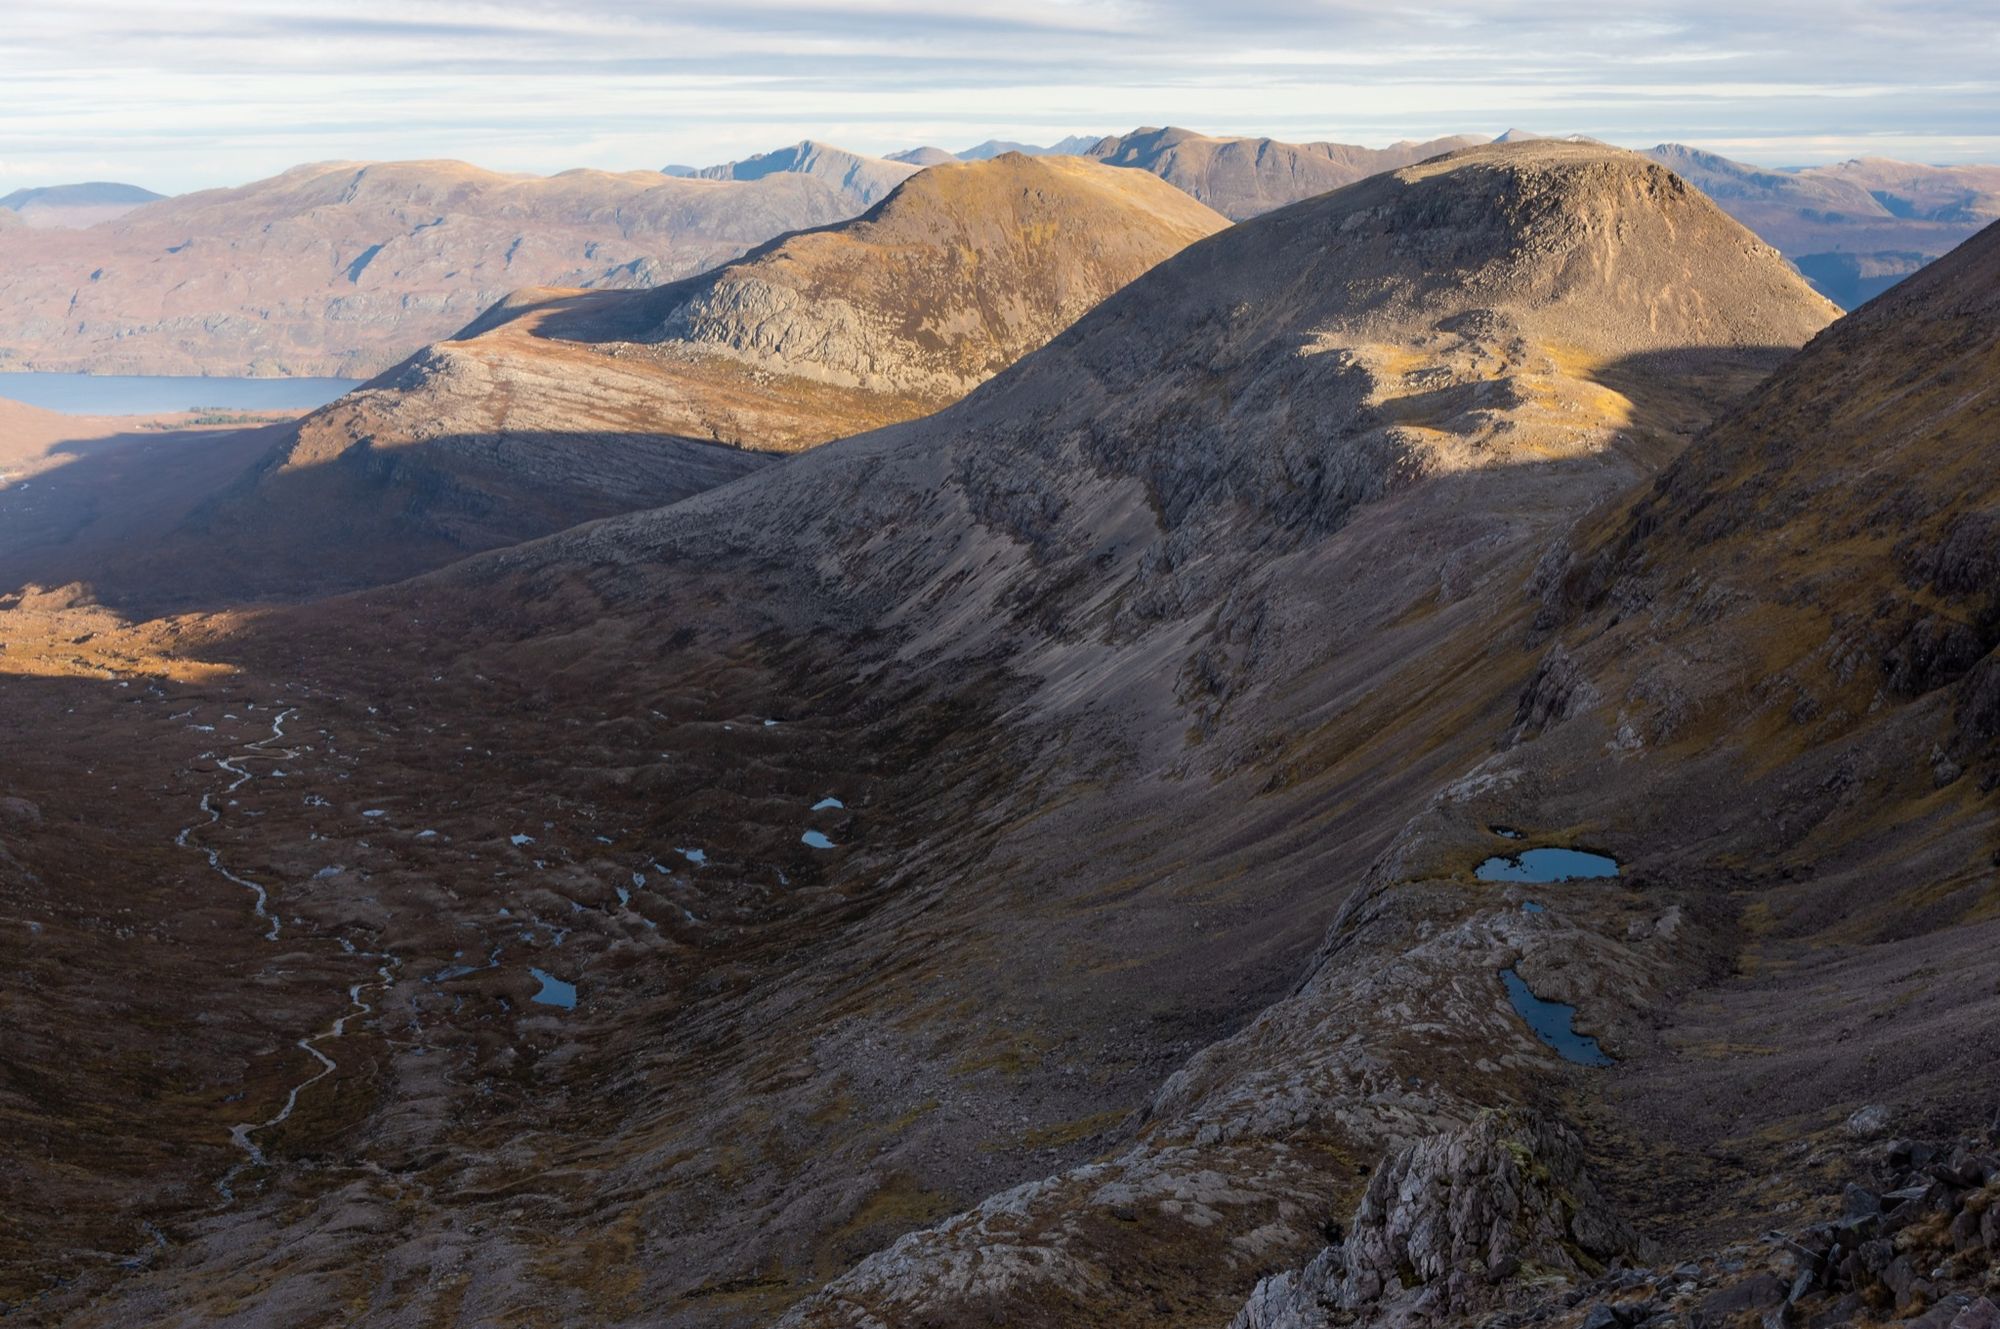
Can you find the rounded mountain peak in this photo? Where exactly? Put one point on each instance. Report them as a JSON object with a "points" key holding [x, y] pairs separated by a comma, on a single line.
{"points": [[1578, 244], [1014, 184], [961, 271]]}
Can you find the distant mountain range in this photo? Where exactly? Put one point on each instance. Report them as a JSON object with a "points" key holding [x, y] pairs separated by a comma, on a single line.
{"points": [[1245, 177], [1075, 145], [866, 179], [1852, 229], [1855, 228], [345, 268], [872, 177]]}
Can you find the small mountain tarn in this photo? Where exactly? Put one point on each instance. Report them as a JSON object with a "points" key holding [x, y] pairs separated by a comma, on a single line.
{"points": [[1547, 865], [554, 991], [1553, 1023]]}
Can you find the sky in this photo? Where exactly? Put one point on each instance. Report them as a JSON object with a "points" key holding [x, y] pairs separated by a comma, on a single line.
{"points": [[198, 93]]}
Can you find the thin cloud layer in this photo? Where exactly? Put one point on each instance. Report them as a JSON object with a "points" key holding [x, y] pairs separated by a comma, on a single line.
{"points": [[218, 91]]}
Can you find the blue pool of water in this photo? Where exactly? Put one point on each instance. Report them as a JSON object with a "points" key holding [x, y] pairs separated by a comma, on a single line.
{"points": [[817, 840], [1546, 865], [1553, 1023], [554, 991], [152, 394]]}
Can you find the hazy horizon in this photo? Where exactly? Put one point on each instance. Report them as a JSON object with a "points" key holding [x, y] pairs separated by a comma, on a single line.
{"points": [[226, 91]]}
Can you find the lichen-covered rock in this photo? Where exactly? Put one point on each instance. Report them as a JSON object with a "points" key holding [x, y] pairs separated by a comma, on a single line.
{"points": [[1557, 691], [1981, 1314], [1447, 1220]]}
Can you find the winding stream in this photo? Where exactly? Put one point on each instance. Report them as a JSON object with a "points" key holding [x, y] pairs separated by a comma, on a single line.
{"points": [[242, 1135], [260, 748]]}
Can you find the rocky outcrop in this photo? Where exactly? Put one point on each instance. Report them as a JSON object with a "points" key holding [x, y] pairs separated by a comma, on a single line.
{"points": [[1915, 1244], [1449, 1219], [1892, 1251], [1558, 690]]}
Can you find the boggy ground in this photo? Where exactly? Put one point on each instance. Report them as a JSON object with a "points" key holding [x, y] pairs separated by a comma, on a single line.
{"points": [[779, 1061], [707, 1076]]}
